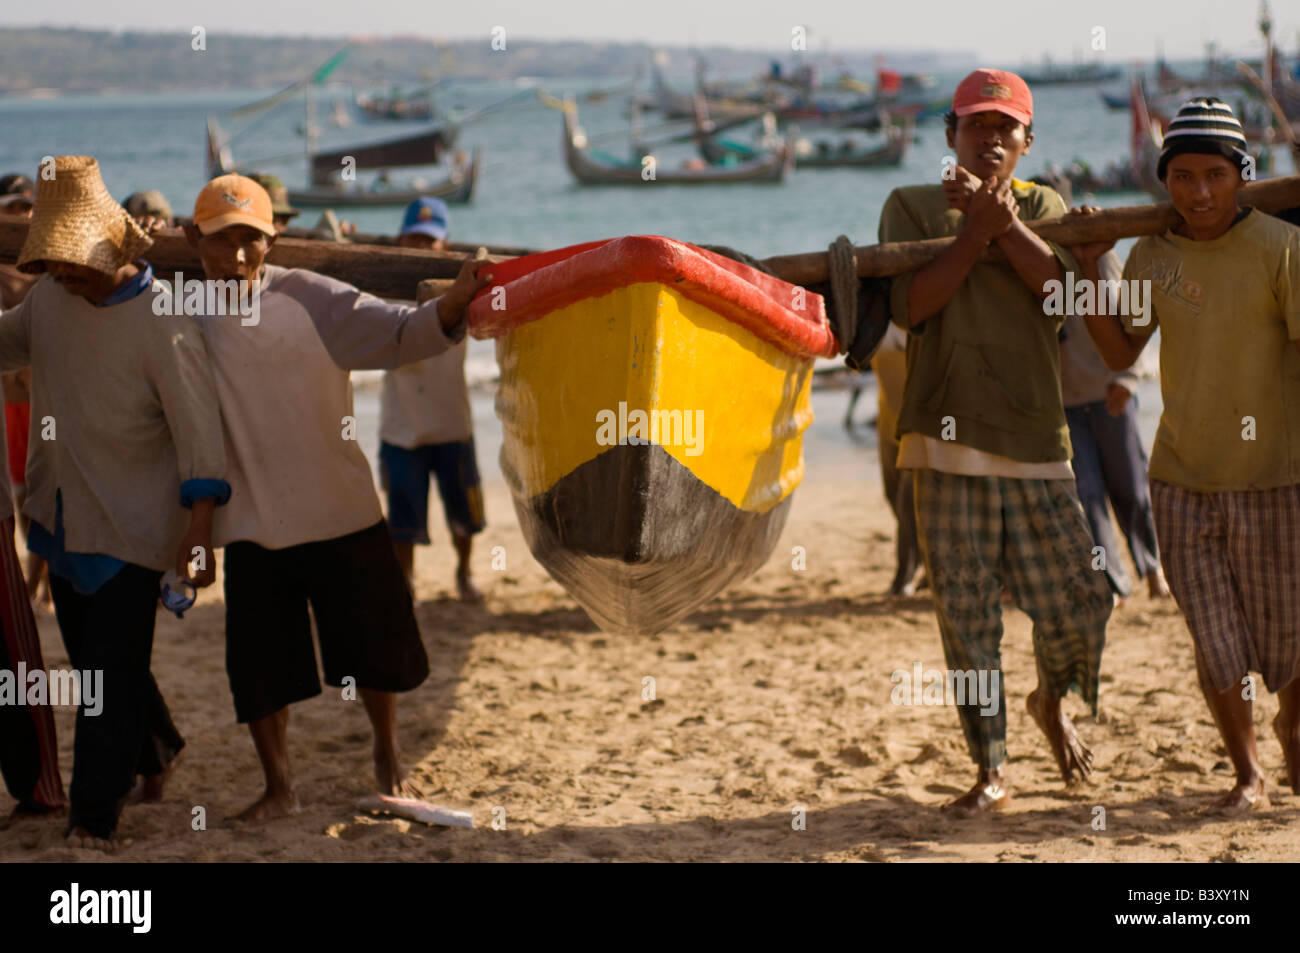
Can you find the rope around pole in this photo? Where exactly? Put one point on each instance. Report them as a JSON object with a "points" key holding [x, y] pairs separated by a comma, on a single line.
{"points": [[843, 263]]}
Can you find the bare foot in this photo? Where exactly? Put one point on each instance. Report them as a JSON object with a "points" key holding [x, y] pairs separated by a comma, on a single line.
{"points": [[466, 590], [1242, 799], [1290, 750], [27, 812], [82, 838], [1072, 756], [984, 797], [269, 807], [1156, 585], [391, 777], [149, 790]]}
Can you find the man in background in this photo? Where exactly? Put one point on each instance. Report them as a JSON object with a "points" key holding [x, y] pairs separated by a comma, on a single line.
{"points": [[426, 430], [1109, 460], [281, 211]]}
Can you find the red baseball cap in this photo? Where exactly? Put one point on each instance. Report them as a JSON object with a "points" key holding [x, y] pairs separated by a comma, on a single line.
{"points": [[994, 89]]}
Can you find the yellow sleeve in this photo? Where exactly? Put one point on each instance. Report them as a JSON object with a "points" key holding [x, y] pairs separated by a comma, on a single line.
{"points": [[1049, 204], [1143, 325], [1288, 285]]}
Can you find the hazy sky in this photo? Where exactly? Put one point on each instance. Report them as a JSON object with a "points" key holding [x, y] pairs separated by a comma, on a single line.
{"points": [[1009, 32]]}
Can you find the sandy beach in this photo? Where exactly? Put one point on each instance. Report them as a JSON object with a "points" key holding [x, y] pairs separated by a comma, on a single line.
{"points": [[774, 697]]}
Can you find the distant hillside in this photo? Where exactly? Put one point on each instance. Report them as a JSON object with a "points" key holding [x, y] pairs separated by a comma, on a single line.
{"points": [[69, 60]]}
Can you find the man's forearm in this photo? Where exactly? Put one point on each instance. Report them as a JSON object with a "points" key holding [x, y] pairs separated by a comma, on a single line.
{"points": [[1117, 347], [934, 284], [1031, 257], [201, 513]]}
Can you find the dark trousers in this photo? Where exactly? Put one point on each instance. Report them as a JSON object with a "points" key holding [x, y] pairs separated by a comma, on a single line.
{"points": [[111, 631], [1110, 462]]}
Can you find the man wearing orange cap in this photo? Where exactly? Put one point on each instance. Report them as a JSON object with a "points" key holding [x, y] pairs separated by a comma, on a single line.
{"points": [[304, 526], [131, 441], [983, 429]]}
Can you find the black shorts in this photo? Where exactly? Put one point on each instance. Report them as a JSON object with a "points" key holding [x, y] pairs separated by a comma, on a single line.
{"points": [[364, 620]]}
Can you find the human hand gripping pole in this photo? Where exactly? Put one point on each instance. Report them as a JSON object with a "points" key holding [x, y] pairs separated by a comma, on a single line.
{"points": [[473, 277]]}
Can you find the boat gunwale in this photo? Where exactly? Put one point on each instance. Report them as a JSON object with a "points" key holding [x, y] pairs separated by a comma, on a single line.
{"points": [[743, 295]]}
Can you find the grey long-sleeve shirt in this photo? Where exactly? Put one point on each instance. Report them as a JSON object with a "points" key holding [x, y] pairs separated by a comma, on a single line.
{"points": [[296, 471], [124, 411]]}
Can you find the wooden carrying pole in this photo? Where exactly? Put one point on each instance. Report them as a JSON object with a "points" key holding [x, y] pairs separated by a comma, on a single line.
{"points": [[1110, 224], [384, 270], [397, 272]]}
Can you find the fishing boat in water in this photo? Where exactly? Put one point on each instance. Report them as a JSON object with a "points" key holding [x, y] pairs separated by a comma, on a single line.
{"points": [[820, 153], [416, 106], [1075, 74], [332, 174], [591, 167], [653, 397], [332, 192]]}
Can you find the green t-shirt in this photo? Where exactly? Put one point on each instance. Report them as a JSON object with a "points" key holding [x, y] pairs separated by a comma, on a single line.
{"points": [[1227, 310], [990, 359]]}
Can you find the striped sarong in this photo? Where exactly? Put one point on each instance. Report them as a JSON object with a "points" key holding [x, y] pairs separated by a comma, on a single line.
{"points": [[29, 754], [1232, 559], [980, 533]]}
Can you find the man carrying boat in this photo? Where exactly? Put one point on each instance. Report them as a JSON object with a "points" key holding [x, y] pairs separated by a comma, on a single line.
{"points": [[983, 429], [1225, 469], [131, 440], [304, 525], [425, 429]]}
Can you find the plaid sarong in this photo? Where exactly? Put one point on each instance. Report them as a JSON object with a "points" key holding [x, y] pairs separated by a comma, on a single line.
{"points": [[1232, 559], [978, 534]]}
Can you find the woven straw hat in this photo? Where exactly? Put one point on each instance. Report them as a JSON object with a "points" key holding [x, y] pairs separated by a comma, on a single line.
{"points": [[77, 221]]}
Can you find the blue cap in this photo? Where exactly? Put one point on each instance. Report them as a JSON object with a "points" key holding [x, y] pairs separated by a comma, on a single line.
{"points": [[426, 216]]}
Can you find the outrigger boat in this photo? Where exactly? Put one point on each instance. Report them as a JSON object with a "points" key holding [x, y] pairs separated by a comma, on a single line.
{"points": [[653, 397], [592, 168], [457, 188], [823, 155], [326, 170]]}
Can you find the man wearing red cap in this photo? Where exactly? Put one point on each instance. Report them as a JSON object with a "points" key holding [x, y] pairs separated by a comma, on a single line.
{"points": [[304, 527], [983, 429]]}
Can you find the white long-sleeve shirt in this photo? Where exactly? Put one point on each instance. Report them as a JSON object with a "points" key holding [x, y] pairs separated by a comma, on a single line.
{"points": [[296, 471]]}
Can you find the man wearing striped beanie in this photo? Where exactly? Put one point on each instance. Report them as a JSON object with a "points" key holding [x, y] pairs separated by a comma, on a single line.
{"points": [[1225, 469]]}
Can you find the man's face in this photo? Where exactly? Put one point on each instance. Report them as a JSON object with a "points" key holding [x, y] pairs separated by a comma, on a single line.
{"points": [[236, 252], [989, 143], [89, 283], [1204, 190], [21, 208], [420, 240]]}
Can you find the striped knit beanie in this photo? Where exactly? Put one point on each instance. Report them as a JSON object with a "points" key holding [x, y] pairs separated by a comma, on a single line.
{"points": [[1205, 126]]}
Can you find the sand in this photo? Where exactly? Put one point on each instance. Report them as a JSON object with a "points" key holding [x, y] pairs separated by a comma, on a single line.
{"points": [[772, 700]]}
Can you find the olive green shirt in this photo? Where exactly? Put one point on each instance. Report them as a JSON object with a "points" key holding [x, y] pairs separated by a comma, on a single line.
{"points": [[990, 359], [1228, 310]]}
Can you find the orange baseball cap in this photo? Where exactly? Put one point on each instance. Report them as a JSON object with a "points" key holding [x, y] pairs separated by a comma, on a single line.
{"points": [[994, 89], [233, 200]]}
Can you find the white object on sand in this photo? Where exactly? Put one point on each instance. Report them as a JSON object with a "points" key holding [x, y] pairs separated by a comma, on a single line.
{"points": [[414, 810]]}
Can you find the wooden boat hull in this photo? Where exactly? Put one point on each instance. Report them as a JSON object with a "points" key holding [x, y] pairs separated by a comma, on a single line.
{"points": [[889, 154], [770, 168], [457, 189], [641, 511]]}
